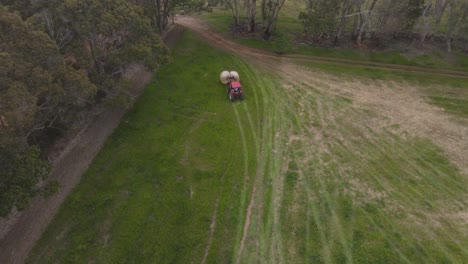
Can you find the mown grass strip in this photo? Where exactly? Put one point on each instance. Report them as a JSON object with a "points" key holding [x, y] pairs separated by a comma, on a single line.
{"points": [[150, 194]]}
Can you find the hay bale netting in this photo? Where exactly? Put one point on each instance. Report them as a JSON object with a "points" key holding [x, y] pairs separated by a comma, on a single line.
{"points": [[235, 75], [224, 77]]}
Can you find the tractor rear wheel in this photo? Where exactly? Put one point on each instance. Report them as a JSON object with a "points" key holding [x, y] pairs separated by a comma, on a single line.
{"points": [[231, 97]]}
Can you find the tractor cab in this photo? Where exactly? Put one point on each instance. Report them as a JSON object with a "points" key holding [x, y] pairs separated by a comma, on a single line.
{"points": [[233, 85]]}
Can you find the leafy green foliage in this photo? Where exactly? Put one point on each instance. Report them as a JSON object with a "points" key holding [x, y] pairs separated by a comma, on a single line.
{"points": [[21, 172], [106, 37], [414, 10], [54, 66], [37, 91], [320, 17]]}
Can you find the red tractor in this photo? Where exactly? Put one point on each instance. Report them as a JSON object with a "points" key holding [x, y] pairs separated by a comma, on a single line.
{"points": [[233, 85], [234, 91]]}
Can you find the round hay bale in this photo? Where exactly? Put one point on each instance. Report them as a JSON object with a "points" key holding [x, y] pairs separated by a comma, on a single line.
{"points": [[235, 75], [224, 77]]}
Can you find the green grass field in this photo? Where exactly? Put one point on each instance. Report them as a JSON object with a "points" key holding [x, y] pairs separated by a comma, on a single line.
{"points": [[293, 174], [151, 192]]}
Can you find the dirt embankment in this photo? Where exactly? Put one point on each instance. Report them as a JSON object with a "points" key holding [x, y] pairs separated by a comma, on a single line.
{"points": [[20, 231]]}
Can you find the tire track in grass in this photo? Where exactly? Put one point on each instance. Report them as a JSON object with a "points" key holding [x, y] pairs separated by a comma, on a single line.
{"points": [[273, 223], [311, 201], [250, 77], [277, 169], [394, 151], [376, 146], [306, 184], [268, 121], [428, 175], [215, 213], [258, 197], [424, 163], [331, 205], [336, 217], [378, 143], [261, 157], [302, 181], [246, 223], [322, 121], [377, 226], [246, 172], [288, 118], [384, 234], [242, 231], [429, 230]]}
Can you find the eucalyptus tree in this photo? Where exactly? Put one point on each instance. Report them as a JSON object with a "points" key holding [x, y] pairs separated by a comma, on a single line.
{"points": [[251, 13], [270, 12], [457, 24], [38, 92]]}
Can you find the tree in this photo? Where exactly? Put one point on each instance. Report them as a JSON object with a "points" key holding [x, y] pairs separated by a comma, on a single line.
{"points": [[160, 12], [346, 7], [234, 6], [38, 91], [106, 37], [21, 172], [38, 88], [457, 20], [270, 12], [251, 13], [364, 21], [321, 17]]}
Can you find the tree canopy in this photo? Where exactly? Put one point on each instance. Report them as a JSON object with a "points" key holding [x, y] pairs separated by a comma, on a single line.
{"points": [[57, 60]]}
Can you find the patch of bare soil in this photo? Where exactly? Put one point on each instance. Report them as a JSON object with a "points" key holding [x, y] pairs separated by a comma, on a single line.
{"points": [[399, 104], [20, 231]]}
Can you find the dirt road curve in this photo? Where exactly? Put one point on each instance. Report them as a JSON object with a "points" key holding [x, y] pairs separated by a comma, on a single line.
{"points": [[215, 39]]}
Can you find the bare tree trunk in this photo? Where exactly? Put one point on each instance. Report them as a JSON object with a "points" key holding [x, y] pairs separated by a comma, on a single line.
{"points": [[355, 27], [357, 19], [364, 22], [426, 25], [236, 12], [440, 9], [345, 9], [449, 44], [253, 15], [251, 12], [270, 16]]}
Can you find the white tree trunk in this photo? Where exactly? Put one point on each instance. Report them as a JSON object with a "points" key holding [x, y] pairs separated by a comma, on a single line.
{"points": [[364, 22]]}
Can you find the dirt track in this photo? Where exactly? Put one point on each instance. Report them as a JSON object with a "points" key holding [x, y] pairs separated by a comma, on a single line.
{"points": [[220, 41]]}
